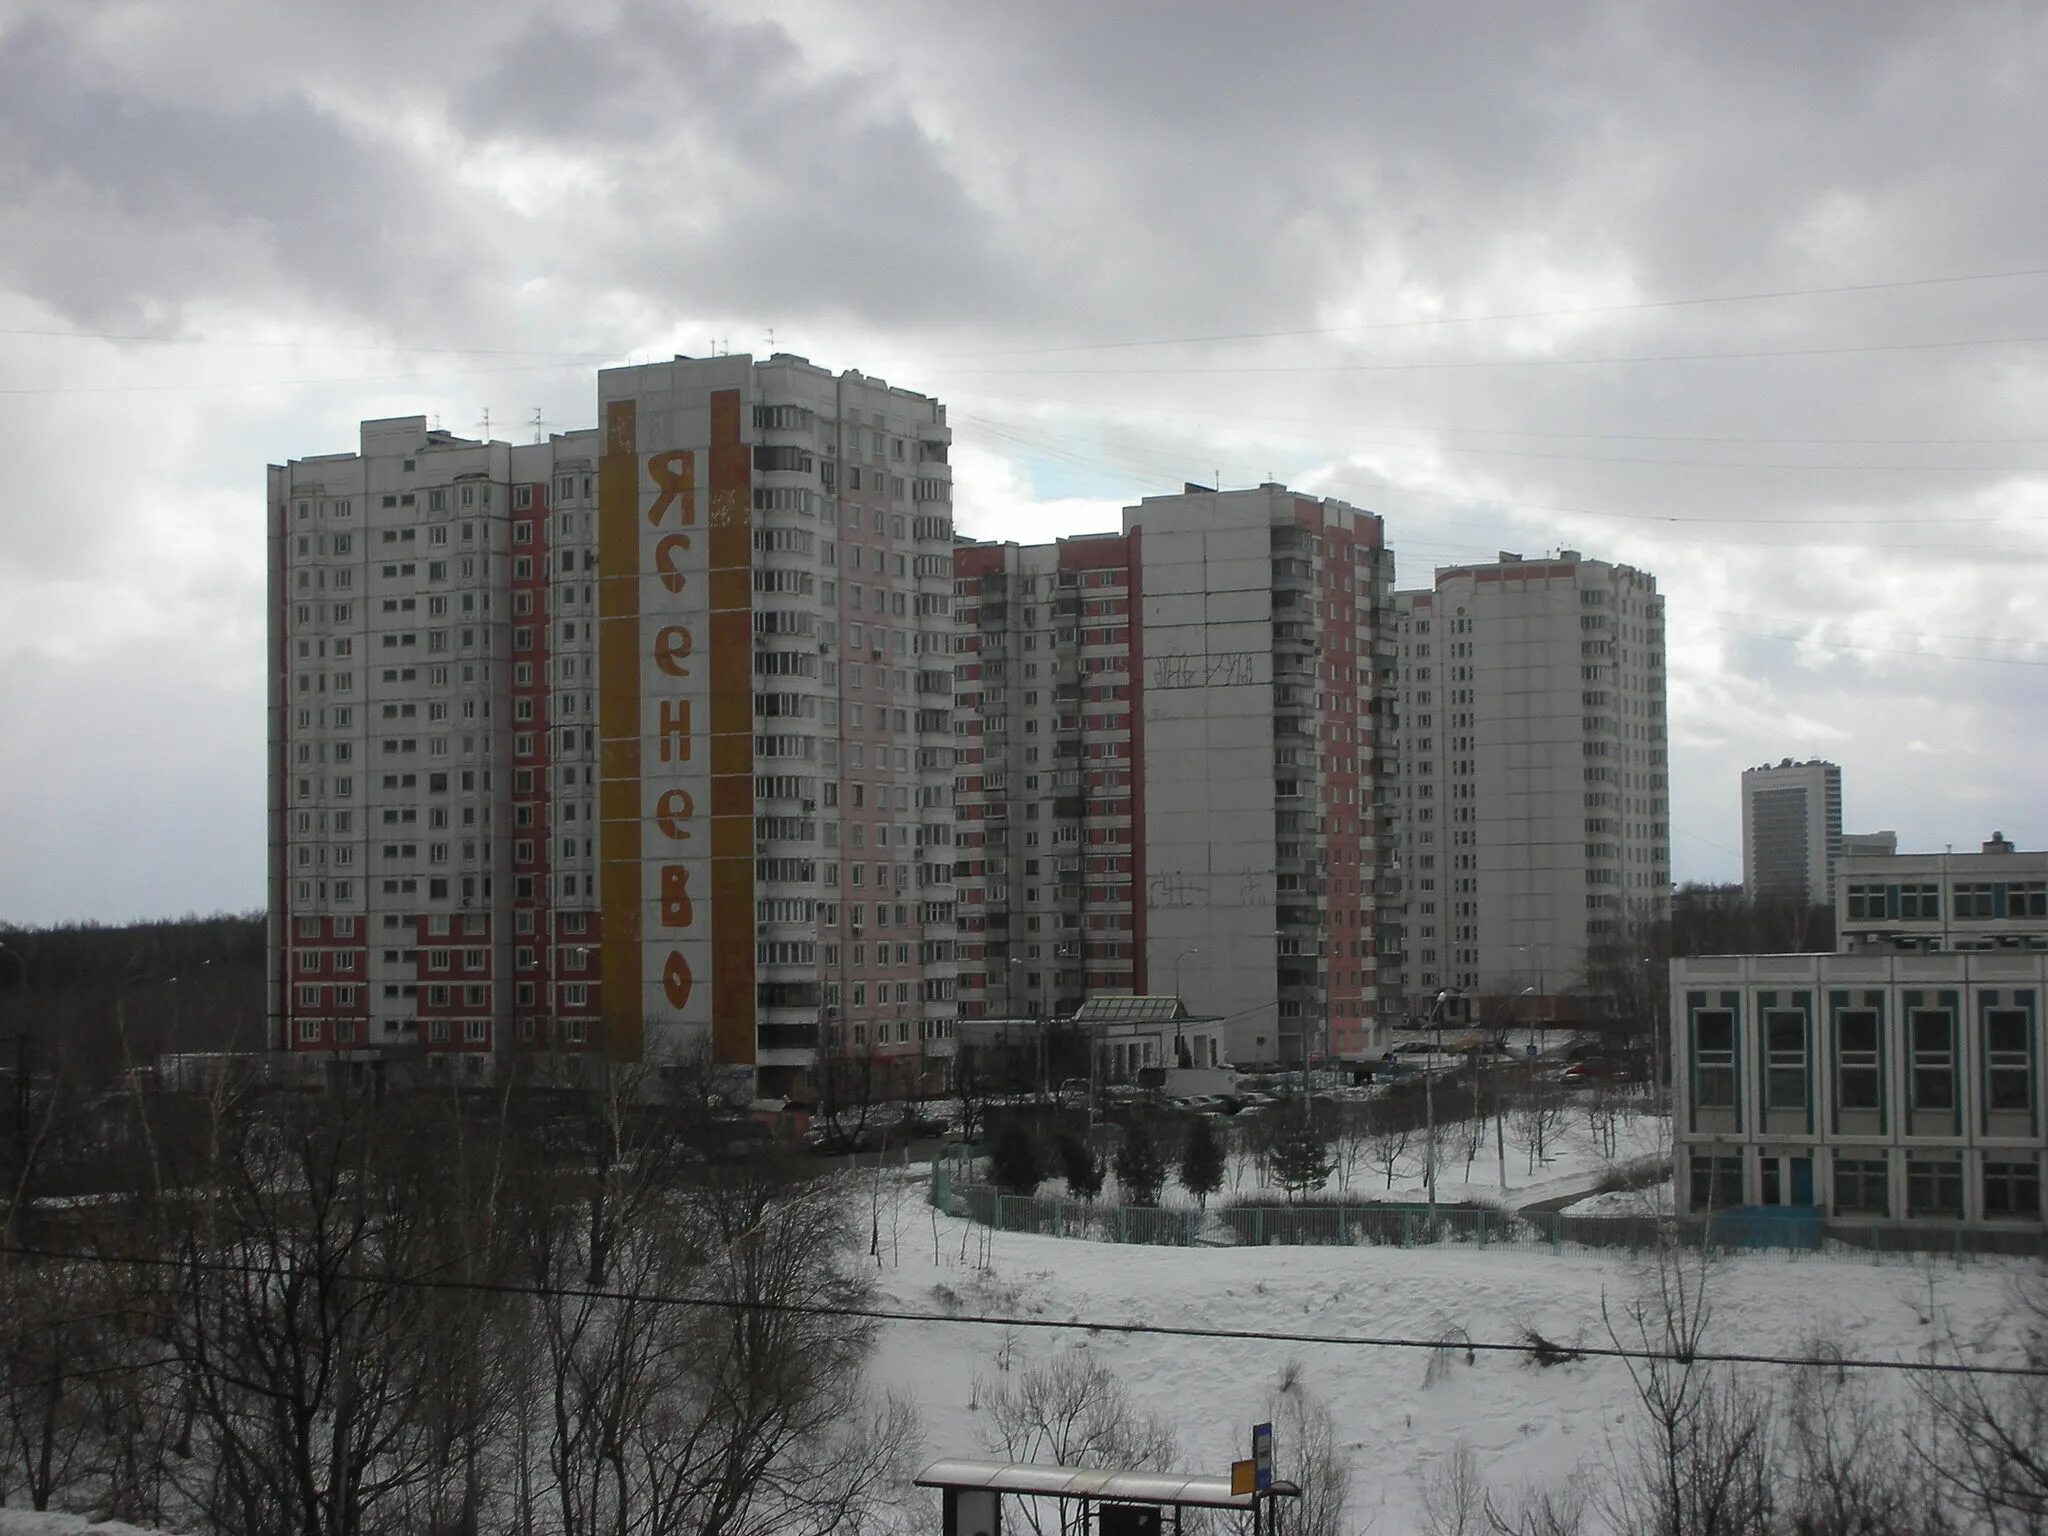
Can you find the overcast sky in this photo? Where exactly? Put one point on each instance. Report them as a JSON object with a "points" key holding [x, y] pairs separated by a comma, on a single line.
{"points": [[1748, 296]]}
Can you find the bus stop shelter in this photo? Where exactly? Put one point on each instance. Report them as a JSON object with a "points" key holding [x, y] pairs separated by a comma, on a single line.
{"points": [[973, 1493]]}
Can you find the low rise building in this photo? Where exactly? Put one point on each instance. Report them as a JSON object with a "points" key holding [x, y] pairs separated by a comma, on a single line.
{"points": [[1994, 900], [1870, 1087]]}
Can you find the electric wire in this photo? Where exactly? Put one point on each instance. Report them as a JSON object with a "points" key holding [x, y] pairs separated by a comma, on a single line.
{"points": [[1443, 365], [1027, 438], [879, 1314], [1131, 407], [1425, 321]]}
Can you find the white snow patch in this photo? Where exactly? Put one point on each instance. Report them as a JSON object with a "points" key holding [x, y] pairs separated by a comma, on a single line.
{"points": [[1524, 1422]]}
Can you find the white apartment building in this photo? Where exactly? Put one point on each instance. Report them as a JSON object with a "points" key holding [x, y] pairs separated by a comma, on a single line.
{"points": [[632, 738], [1534, 809], [1174, 770], [1791, 831]]}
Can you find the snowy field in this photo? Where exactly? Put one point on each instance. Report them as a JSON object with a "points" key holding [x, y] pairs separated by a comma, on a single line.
{"points": [[1483, 1169], [1524, 1423], [1399, 1413]]}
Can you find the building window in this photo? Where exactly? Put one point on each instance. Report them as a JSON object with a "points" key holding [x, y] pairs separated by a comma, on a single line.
{"points": [[2012, 1189], [309, 1031], [2008, 1060], [1932, 1032], [1856, 1061], [1920, 903], [1713, 1059], [1785, 1060], [1862, 1186], [1715, 1183], [1934, 1188]]}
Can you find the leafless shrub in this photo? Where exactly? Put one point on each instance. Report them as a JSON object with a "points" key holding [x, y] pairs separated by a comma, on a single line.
{"points": [[1454, 1495]]}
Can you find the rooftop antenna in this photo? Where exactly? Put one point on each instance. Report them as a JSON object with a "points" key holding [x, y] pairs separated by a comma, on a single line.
{"points": [[485, 424], [771, 340], [539, 427], [1217, 475]]}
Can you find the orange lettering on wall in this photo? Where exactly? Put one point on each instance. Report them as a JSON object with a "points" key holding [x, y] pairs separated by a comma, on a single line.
{"points": [[676, 980], [676, 910], [668, 559], [672, 647], [673, 477], [671, 810], [673, 732]]}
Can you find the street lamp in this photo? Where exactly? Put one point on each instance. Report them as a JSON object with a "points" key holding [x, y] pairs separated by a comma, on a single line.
{"points": [[1436, 1019], [1178, 1007], [1044, 1054], [1542, 1030]]}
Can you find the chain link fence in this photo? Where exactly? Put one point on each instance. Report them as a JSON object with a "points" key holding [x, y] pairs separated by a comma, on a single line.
{"points": [[954, 1190]]}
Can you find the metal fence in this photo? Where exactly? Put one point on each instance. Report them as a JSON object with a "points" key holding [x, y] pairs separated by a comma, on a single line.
{"points": [[1388, 1225]]}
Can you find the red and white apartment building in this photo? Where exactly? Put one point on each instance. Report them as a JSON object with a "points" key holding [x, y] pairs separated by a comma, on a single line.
{"points": [[629, 739], [1175, 755]]}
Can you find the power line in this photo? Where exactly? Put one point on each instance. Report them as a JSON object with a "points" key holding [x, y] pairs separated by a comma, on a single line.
{"points": [[1533, 314], [1381, 484], [1131, 407], [1585, 458], [1073, 1325], [1729, 613], [1459, 364], [1026, 438], [301, 344], [1882, 650], [185, 386]]}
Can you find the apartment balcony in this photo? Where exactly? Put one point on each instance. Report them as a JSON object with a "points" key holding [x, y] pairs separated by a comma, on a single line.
{"points": [[787, 1037]]}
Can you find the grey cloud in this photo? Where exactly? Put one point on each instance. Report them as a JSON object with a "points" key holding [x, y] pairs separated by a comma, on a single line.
{"points": [[898, 187]]}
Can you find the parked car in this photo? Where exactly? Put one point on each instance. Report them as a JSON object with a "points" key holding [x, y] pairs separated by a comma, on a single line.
{"points": [[1589, 1069], [834, 1140]]}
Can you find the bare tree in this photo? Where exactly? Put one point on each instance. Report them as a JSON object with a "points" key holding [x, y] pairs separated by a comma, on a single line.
{"points": [[1309, 1457], [50, 1351], [1989, 1443], [1454, 1495], [1851, 1466], [744, 1414], [1540, 1112], [1703, 1464], [1388, 1142], [1070, 1411]]}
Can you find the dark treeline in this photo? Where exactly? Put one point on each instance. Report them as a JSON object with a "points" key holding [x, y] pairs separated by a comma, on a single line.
{"points": [[110, 995], [336, 1314]]}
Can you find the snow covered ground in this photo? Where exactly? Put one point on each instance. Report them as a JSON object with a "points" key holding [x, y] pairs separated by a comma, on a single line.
{"points": [[1524, 1422], [26, 1522]]}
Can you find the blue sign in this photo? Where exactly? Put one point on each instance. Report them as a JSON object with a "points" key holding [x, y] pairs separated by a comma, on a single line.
{"points": [[1262, 1457]]}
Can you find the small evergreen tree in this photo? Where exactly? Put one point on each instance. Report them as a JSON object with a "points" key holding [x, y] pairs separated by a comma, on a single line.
{"points": [[1081, 1166], [1015, 1164], [1201, 1160], [1301, 1157], [1140, 1169]]}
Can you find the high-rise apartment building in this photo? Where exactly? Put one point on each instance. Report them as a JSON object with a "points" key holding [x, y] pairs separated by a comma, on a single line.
{"points": [[1175, 753], [630, 739], [1535, 818], [1791, 831]]}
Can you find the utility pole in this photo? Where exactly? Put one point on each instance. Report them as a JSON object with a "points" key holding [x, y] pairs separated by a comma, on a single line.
{"points": [[1436, 1017]]}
